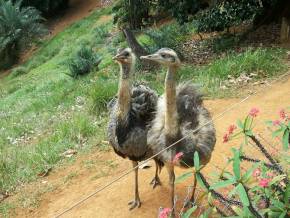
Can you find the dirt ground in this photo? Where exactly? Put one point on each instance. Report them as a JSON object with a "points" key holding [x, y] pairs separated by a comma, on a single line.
{"points": [[112, 202]]}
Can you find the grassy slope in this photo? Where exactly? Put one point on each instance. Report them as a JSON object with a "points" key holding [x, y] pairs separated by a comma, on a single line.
{"points": [[43, 111]]}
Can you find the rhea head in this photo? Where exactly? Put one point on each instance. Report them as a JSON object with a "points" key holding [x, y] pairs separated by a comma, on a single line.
{"points": [[125, 56], [164, 56]]}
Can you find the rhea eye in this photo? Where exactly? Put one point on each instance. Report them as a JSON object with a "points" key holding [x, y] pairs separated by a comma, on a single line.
{"points": [[163, 55], [126, 54]]}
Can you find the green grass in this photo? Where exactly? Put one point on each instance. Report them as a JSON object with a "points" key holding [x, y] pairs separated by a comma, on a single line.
{"points": [[44, 112]]}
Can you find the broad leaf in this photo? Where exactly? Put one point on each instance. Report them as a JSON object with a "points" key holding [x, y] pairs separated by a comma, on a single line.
{"points": [[196, 161], [199, 181], [236, 164], [240, 124], [285, 139], [249, 172], [278, 132], [222, 184], [287, 195], [243, 195], [183, 177], [277, 179], [188, 213]]}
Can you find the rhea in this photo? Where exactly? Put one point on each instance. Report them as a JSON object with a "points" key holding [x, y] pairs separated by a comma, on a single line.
{"points": [[130, 117], [180, 116]]}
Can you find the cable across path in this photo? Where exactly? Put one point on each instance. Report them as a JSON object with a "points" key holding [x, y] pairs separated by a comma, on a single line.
{"points": [[217, 117]]}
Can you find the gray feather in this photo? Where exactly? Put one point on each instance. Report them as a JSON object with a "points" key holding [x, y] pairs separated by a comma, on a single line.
{"points": [[192, 117], [129, 136]]}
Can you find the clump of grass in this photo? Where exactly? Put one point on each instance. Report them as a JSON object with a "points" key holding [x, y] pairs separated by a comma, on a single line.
{"points": [[168, 36], [83, 62], [101, 93], [18, 71], [265, 63]]}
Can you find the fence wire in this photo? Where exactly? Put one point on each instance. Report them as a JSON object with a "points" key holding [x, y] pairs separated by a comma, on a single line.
{"points": [[215, 118]]}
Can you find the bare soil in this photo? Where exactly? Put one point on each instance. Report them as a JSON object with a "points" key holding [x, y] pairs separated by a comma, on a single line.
{"points": [[98, 168]]}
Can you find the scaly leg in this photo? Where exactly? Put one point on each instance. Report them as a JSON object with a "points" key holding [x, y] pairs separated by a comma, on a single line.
{"points": [[170, 169], [136, 202], [156, 181]]}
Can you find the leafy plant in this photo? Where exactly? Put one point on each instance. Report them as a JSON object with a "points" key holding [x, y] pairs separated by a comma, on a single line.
{"points": [[131, 14], [19, 26], [260, 191], [83, 62], [48, 7], [169, 36], [226, 14]]}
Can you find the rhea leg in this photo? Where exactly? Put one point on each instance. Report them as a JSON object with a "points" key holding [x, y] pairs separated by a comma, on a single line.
{"points": [[156, 180], [170, 169], [136, 202]]}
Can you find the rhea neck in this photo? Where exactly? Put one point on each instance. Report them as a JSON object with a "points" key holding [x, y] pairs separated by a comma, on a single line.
{"points": [[171, 119], [124, 94]]}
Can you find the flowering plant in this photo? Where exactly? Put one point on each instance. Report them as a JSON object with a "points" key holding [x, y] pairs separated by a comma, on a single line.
{"points": [[260, 190]]}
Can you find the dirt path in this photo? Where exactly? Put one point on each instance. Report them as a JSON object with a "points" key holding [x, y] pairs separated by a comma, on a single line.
{"points": [[112, 202]]}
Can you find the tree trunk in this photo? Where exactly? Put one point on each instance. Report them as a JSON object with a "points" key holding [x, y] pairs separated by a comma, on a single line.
{"points": [[285, 28], [138, 49]]}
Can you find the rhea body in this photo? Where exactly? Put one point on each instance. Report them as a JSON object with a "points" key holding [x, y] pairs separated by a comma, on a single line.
{"points": [[130, 116], [180, 115]]}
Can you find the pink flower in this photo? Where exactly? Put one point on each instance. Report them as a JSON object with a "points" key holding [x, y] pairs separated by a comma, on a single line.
{"points": [[254, 112], [164, 213], [270, 174], [276, 122], [226, 138], [232, 128], [257, 172], [282, 114], [177, 157], [264, 182]]}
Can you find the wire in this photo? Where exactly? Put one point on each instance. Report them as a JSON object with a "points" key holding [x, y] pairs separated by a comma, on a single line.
{"points": [[170, 146]]}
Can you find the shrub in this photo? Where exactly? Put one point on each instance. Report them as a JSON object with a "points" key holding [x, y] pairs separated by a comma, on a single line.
{"points": [[47, 7], [226, 14], [18, 71], [18, 27], [169, 36], [83, 62]]}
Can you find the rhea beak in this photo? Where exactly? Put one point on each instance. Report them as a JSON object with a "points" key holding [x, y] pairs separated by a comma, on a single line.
{"points": [[152, 57], [118, 58]]}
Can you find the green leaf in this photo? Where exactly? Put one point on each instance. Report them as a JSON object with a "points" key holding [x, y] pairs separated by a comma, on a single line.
{"points": [[196, 161], [243, 195], [283, 214], [249, 172], [240, 124], [277, 179], [277, 132], [269, 122], [287, 195], [232, 192], [249, 132], [183, 177], [199, 181], [236, 165], [222, 184], [188, 213], [285, 139]]}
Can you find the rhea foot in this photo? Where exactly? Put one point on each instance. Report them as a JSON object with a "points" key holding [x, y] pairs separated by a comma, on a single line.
{"points": [[155, 182], [135, 203]]}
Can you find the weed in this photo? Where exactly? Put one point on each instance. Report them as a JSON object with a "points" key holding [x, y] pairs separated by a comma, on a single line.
{"points": [[83, 62]]}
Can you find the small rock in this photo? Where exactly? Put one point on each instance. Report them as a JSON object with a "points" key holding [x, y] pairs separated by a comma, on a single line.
{"points": [[69, 153]]}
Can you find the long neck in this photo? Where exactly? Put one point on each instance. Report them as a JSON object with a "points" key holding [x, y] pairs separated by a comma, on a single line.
{"points": [[124, 94], [171, 127]]}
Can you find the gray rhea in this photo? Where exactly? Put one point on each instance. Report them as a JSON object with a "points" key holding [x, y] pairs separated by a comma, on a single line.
{"points": [[180, 111], [130, 116]]}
